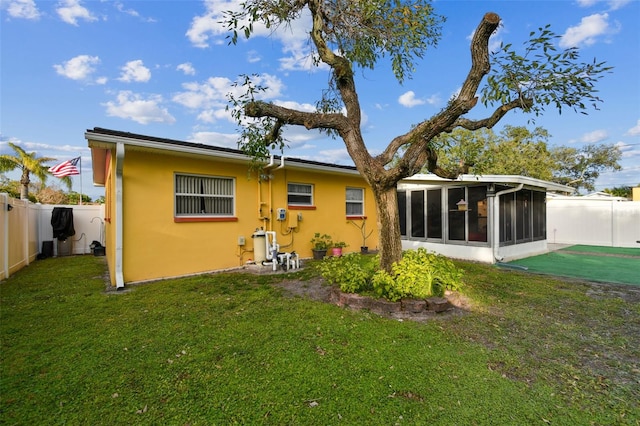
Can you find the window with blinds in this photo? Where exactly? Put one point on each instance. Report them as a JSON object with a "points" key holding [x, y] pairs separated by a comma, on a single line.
{"points": [[300, 194], [355, 201], [204, 195]]}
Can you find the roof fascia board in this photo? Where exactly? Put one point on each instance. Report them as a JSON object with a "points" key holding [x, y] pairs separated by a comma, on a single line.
{"points": [[112, 140], [506, 179]]}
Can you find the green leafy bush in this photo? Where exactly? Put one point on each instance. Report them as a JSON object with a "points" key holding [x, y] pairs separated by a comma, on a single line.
{"points": [[352, 272], [420, 274], [321, 241]]}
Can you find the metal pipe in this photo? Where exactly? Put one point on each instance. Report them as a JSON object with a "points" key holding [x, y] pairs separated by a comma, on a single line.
{"points": [[119, 275]]}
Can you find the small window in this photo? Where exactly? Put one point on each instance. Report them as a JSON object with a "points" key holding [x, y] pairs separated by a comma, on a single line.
{"points": [[204, 196], [300, 194], [355, 202]]}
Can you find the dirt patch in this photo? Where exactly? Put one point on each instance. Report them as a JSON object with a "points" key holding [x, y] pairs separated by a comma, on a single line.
{"points": [[628, 293]]}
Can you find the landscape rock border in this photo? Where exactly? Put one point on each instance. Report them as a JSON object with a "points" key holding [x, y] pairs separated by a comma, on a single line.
{"points": [[453, 304], [386, 307]]}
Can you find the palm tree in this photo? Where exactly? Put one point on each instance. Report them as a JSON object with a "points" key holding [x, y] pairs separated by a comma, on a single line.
{"points": [[28, 163]]}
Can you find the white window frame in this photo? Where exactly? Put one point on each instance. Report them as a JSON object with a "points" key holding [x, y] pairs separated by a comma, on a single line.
{"points": [[359, 202], [300, 194], [201, 198]]}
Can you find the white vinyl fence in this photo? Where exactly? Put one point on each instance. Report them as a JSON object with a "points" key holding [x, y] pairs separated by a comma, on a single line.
{"points": [[24, 227], [593, 221]]}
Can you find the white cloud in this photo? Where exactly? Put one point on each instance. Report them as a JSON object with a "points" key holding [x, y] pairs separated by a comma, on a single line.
{"points": [[225, 140], [210, 96], [294, 36], [71, 10], [613, 4], [635, 130], [595, 136], [134, 107], [296, 105], [214, 115], [186, 68], [211, 92], [586, 33], [617, 4], [409, 100], [208, 25], [25, 9], [253, 57], [78, 68], [299, 57], [131, 12], [334, 156], [433, 100], [135, 71], [627, 150]]}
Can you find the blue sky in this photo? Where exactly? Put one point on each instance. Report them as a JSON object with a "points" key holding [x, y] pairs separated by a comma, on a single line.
{"points": [[163, 68]]}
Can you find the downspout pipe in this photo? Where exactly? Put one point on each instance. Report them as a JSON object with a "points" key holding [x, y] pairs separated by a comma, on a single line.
{"points": [[496, 219], [119, 217], [264, 176], [269, 220], [5, 238], [271, 163], [281, 166]]}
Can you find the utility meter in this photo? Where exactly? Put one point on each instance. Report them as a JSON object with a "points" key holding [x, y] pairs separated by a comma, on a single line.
{"points": [[282, 214]]}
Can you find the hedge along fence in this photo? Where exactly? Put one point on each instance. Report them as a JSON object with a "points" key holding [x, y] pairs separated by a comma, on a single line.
{"points": [[24, 226]]}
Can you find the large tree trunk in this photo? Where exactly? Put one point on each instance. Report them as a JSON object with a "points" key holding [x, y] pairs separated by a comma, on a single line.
{"points": [[388, 226]]}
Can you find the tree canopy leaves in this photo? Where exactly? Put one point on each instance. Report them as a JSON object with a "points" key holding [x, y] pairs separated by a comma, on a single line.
{"points": [[542, 76], [359, 33], [28, 163], [519, 151]]}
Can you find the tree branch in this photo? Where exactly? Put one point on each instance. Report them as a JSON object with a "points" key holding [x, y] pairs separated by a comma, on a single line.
{"points": [[340, 66], [310, 120], [419, 151], [491, 121]]}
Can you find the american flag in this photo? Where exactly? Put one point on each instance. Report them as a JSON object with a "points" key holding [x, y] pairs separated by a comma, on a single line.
{"points": [[66, 168]]}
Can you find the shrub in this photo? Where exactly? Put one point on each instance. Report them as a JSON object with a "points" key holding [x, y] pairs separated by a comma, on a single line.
{"points": [[321, 241], [420, 274], [352, 272]]}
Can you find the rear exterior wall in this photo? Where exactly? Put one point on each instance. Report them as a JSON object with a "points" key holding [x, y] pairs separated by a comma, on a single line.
{"points": [[156, 246]]}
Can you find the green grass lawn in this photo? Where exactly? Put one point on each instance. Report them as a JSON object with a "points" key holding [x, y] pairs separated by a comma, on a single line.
{"points": [[232, 348]]}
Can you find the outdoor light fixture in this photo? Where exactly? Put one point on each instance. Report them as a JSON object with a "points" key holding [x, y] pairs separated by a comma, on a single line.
{"points": [[9, 207]]}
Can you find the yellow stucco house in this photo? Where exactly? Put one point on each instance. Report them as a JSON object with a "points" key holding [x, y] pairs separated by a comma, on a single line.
{"points": [[177, 208]]}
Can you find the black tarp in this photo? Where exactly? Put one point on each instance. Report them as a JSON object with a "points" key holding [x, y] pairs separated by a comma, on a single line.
{"points": [[62, 222]]}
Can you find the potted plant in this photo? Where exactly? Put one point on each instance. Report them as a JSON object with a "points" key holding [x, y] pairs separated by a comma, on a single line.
{"points": [[336, 250], [320, 244], [364, 249]]}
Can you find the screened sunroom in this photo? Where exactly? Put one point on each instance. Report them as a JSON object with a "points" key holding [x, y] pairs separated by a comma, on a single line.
{"points": [[488, 219]]}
